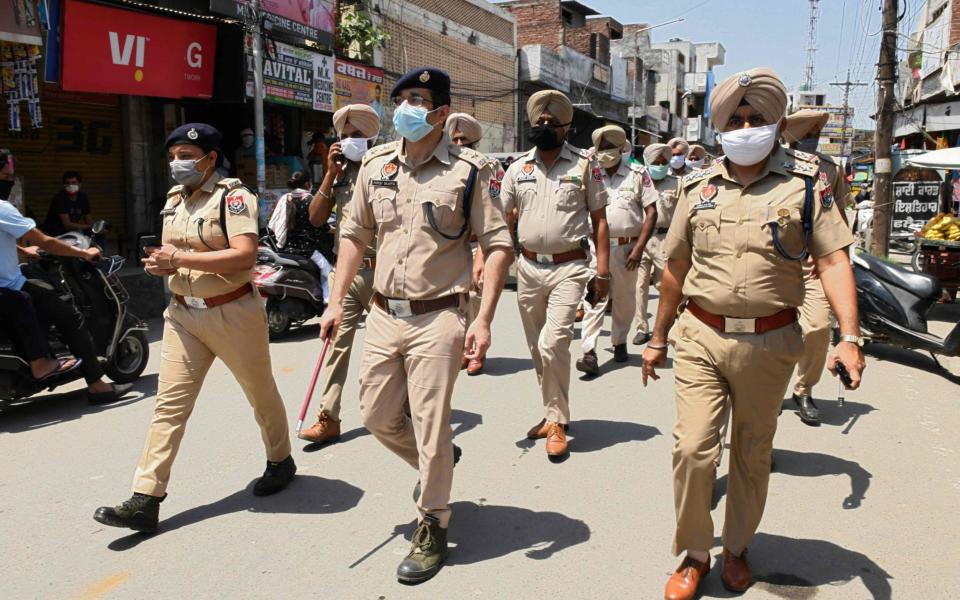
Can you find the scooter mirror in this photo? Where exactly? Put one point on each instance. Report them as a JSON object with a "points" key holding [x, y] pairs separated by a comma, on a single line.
{"points": [[98, 226]]}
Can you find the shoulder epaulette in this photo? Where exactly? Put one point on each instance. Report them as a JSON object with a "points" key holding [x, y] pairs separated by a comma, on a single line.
{"points": [[636, 168], [804, 156], [380, 150], [471, 156], [699, 175], [831, 160], [230, 183], [175, 190], [800, 167]]}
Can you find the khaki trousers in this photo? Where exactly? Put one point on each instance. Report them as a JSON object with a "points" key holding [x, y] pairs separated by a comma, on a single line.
{"points": [[236, 333], [548, 296], [714, 371], [357, 300], [623, 294], [815, 323], [649, 274], [415, 359]]}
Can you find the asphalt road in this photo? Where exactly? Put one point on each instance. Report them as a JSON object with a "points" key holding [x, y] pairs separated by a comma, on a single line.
{"points": [[862, 507]]}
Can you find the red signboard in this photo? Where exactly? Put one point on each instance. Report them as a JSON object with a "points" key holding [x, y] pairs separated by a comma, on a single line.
{"points": [[125, 52]]}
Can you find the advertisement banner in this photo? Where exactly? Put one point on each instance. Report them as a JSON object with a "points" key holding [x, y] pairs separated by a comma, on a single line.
{"points": [[294, 76], [356, 83], [302, 22], [915, 203], [124, 52], [20, 22], [323, 82]]}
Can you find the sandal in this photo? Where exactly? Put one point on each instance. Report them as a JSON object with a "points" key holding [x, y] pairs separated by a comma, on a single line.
{"points": [[64, 365]]}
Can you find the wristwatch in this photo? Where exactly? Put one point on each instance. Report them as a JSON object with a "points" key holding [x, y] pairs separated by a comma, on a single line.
{"points": [[853, 339]]}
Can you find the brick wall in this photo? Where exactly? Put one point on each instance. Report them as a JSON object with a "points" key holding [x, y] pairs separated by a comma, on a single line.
{"points": [[538, 23], [471, 16], [954, 23]]}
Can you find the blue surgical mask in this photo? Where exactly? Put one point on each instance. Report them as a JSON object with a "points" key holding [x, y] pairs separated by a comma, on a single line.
{"points": [[410, 122], [658, 172]]}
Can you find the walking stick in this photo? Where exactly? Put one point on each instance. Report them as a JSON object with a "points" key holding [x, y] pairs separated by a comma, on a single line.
{"points": [[313, 384]]}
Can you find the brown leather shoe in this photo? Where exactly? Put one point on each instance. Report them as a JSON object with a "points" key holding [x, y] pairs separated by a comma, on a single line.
{"points": [[324, 430], [683, 584], [541, 429], [736, 575], [475, 367], [556, 439]]}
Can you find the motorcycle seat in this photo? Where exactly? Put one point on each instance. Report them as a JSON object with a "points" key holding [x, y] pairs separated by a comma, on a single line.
{"points": [[918, 284], [302, 262]]}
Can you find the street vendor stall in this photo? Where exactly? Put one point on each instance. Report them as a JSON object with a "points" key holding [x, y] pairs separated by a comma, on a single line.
{"points": [[938, 241]]}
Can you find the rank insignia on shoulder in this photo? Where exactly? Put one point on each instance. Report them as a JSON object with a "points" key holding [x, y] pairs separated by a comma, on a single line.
{"points": [[707, 195], [597, 174], [236, 204], [783, 213]]}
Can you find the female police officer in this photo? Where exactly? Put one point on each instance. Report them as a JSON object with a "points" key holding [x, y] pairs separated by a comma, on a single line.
{"points": [[209, 248]]}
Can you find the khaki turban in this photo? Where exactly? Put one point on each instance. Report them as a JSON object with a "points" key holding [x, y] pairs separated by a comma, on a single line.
{"points": [[612, 133], [679, 142], [552, 101], [696, 152], [798, 125], [361, 116], [466, 125], [759, 87], [654, 151]]}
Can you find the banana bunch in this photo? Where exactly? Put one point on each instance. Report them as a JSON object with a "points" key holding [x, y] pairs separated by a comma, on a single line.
{"points": [[942, 227]]}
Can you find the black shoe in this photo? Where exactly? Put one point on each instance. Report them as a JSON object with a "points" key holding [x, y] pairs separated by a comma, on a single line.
{"points": [[641, 338], [117, 392], [588, 364], [457, 453], [620, 353], [276, 477], [427, 553], [139, 513], [808, 411]]}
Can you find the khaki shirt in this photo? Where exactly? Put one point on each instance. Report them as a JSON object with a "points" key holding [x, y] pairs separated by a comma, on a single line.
{"points": [[630, 191], [555, 203], [835, 184], [343, 189], [724, 230], [391, 201], [669, 190], [189, 221]]}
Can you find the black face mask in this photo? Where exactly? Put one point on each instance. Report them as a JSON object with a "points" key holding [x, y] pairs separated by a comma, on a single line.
{"points": [[5, 187], [545, 137], [808, 145]]}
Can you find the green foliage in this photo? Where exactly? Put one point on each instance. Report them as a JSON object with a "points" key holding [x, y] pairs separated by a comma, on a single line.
{"points": [[357, 36]]}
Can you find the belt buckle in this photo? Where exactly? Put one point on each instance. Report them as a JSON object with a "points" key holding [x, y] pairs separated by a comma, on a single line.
{"points": [[545, 259], [399, 308], [194, 302], [732, 325]]}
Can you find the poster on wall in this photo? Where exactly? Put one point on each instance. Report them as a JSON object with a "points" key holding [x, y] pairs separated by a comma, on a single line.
{"points": [[20, 22], [295, 77], [915, 203], [357, 83], [323, 82]]}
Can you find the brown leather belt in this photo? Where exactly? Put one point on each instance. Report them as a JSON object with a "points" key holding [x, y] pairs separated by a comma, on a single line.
{"points": [[214, 301], [368, 264], [554, 259], [734, 325], [412, 308], [662, 230], [624, 241]]}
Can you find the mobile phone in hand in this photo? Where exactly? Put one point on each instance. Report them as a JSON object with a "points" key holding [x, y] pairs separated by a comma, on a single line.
{"points": [[148, 241], [844, 375]]}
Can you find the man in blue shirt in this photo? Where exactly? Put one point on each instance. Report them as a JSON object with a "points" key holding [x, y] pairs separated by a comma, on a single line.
{"points": [[50, 308]]}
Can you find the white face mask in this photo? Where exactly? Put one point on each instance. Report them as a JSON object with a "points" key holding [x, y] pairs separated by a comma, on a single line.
{"points": [[677, 162], [746, 147], [694, 164], [72, 188], [353, 148]]}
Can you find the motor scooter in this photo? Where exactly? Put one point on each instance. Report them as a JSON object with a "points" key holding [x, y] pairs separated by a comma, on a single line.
{"points": [[291, 284]]}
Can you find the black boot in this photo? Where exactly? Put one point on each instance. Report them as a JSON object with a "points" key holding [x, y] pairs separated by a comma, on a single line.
{"points": [[620, 353], [276, 477], [427, 553], [588, 364], [457, 453], [641, 338], [808, 411], [140, 513]]}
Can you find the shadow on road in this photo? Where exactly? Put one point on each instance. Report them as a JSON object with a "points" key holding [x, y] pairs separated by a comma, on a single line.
{"points": [[592, 435], [483, 532], [813, 464], [461, 420], [52, 409], [909, 358], [307, 494], [506, 365], [832, 414]]}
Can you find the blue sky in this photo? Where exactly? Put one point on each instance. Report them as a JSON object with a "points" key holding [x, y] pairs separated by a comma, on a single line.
{"points": [[773, 33]]}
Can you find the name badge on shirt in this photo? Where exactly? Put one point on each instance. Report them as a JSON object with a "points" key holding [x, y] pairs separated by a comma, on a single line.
{"points": [[384, 183]]}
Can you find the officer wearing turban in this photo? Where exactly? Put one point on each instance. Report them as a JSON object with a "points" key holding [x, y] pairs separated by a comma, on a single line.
{"points": [[678, 156], [735, 253]]}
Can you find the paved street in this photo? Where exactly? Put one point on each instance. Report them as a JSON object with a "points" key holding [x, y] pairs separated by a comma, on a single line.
{"points": [[862, 507]]}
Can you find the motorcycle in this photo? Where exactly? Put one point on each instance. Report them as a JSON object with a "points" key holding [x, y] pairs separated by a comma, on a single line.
{"points": [[893, 304], [118, 335], [291, 284]]}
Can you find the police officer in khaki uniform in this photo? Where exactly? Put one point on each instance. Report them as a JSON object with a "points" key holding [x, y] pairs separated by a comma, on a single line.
{"points": [[696, 158], [735, 252], [679, 148], [357, 126], [464, 130], [631, 217], [557, 191], [208, 252], [420, 197], [657, 158], [802, 132]]}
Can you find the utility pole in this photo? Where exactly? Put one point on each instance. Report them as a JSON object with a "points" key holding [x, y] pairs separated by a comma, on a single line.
{"points": [[846, 85], [808, 78], [883, 167], [257, 50], [636, 73]]}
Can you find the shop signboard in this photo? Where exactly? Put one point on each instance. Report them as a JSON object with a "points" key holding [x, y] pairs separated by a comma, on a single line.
{"points": [[915, 203], [112, 50], [294, 76], [357, 83], [302, 22], [20, 22]]}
